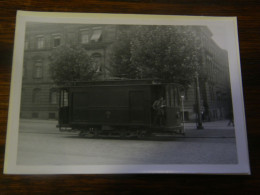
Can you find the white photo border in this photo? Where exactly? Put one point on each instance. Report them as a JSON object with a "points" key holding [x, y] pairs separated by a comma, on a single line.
{"points": [[230, 23]]}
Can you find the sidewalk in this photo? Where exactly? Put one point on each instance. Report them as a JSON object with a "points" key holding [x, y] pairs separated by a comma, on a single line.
{"points": [[36, 126], [45, 121], [218, 129], [223, 124]]}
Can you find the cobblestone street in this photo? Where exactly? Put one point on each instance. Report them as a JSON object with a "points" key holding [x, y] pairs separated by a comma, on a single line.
{"points": [[40, 143]]}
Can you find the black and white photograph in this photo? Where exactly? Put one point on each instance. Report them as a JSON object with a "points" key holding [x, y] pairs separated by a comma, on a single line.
{"points": [[121, 93]]}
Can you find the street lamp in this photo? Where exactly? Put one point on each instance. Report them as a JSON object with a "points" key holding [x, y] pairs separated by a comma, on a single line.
{"points": [[182, 104], [199, 125]]}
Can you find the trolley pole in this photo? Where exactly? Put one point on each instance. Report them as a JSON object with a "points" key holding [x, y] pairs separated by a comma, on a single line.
{"points": [[199, 125], [182, 105]]}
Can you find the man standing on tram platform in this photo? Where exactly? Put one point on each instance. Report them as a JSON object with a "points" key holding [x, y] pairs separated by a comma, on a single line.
{"points": [[159, 108]]}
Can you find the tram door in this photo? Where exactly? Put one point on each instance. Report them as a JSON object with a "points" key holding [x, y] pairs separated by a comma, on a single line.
{"points": [[136, 106]]}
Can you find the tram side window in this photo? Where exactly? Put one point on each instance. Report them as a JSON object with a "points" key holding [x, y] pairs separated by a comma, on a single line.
{"points": [[66, 98], [169, 96], [172, 96], [177, 96]]}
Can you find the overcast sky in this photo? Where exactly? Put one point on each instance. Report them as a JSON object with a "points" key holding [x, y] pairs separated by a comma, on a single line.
{"points": [[219, 35]]}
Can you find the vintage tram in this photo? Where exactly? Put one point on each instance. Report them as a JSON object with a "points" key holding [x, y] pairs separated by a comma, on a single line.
{"points": [[119, 108]]}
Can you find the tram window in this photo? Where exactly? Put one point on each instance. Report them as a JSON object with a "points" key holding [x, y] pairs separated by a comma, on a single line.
{"points": [[178, 96], [167, 99], [64, 98], [175, 97], [172, 96]]}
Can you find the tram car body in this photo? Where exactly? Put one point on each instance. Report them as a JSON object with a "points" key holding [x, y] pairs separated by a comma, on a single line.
{"points": [[119, 107]]}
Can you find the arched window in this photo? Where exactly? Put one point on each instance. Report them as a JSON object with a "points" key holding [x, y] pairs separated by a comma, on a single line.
{"points": [[36, 95], [56, 40], [96, 60], [38, 70], [53, 96]]}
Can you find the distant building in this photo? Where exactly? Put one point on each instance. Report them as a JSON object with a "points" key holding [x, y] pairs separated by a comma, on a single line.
{"points": [[39, 94], [214, 82]]}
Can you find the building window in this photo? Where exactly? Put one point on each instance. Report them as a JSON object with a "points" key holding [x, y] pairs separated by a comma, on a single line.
{"points": [[35, 115], [84, 36], [40, 42], [96, 35], [23, 96], [36, 95], [51, 115], [53, 96], [38, 70], [56, 40], [96, 61]]}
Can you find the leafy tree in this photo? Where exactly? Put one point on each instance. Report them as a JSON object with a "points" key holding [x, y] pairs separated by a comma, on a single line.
{"points": [[120, 59], [170, 53], [68, 64]]}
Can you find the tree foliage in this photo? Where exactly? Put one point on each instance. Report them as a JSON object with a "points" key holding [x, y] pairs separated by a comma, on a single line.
{"points": [[170, 53], [68, 64], [120, 59]]}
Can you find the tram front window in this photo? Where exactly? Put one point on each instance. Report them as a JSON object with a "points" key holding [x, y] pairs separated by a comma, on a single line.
{"points": [[64, 98]]}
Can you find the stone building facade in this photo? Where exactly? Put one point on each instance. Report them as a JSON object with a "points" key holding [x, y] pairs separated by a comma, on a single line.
{"points": [[39, 94], [214, 81]]}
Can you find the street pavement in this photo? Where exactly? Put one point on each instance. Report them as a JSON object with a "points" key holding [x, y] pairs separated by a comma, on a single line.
{"points": [[41, 143]]}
